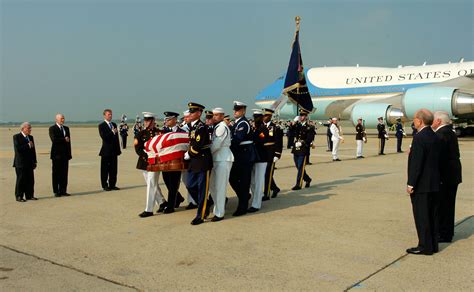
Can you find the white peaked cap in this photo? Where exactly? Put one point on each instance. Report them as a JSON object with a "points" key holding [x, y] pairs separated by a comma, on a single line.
{"points": [[186, 113], [297, 118], [334, 119], [239, 103], [218, 110], [257, 111], [148, 115]]}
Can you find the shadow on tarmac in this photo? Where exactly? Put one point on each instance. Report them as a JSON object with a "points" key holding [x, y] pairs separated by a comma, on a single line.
{"points": [[463, 230], [95, 192]]}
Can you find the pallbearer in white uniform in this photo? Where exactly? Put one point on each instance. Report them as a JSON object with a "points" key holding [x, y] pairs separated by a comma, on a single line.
{"points": [[336, 139], [222, 159]]}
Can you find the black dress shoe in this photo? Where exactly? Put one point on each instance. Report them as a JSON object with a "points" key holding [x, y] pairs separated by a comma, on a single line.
{"points": [[381, 153], [179, 200], [145, 214], [337, 159], [191, 206], [162, 207], [239, 213], [20, 200], [275, 192], [217, 219], [57, 195], [168, 210], [309, 163], [107, 189], [418, 251], [266, 198], [197, 221], [65, 194], [252, 210], [115, 188], [308, 183], [33, 198], [295, 188]]}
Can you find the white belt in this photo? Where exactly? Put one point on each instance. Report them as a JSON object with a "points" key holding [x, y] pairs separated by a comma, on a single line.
{"points": [[246, 142]]}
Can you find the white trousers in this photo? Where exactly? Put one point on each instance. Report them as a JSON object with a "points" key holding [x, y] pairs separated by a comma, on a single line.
{"points": [[360, 143], [184, 179], [257, 183], [218, 185], [335, 148], [153, 191]]}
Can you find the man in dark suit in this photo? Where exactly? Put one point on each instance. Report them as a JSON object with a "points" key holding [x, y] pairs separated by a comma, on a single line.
{"points": [[24, 163], [109, 152], [450, 172], [423, 182], [382, 135], [60, 155]]}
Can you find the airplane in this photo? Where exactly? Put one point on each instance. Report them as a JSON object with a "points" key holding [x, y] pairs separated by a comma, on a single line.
{"points": [[349, 93]]}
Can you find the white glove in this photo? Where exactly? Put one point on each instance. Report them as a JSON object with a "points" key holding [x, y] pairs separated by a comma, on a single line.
{"points": [[298, 144], [275, 159], [186, 156]]}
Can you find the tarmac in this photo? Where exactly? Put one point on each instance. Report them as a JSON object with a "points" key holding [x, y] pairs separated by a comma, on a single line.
{"points": [[348, 231]]}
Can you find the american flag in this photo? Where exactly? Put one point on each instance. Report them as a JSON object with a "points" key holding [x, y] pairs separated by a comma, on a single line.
{"points": [[167, 147]]}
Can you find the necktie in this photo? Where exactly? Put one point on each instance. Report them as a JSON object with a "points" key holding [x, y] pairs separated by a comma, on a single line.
{"points": [[110, 126], [62, 131]]}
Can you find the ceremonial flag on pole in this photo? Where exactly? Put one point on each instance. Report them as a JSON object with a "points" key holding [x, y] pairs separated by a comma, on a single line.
{"points": [[295, 82]]}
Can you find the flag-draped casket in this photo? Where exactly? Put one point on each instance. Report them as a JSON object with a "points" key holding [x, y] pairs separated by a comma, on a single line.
{"points": [[166, 152]]}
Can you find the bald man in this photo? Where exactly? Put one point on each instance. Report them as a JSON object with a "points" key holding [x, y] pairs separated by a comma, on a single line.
{"points": [[60, 155]]}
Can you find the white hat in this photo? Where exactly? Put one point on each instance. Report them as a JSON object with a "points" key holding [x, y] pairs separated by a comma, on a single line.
{"points": [[297, 118], [218, 110], [257, 111], [186, 113], [334, 119], [148, 115]]}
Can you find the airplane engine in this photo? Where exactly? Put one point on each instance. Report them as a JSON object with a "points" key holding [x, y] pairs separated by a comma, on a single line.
{"points": [[370, 112], [433, 98]]}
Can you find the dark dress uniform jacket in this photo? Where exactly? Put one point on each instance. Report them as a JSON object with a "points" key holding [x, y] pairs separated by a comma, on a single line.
{"points": [[260, 138], [450, 163], [140, 139], [305, 135], [25, 157], [244, 153], [60, 149], [199, 147], [423, 162], [399, 130], [381, 129], [274, 145], [110, 141], [360, 132]]}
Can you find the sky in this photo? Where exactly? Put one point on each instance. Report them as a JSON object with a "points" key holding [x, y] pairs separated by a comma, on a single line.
{"points": [[78, 57]]}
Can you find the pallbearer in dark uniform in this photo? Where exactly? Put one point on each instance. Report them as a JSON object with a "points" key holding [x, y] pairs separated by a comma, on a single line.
{"points": [[172, 178], [60, 155], [400, 133], [451, 175], [273, 147], [304, 135], [24, 163], [109, 152], [244, 156], [200, 160], [210, 122], [257, 182], [382, 135], [153, 190]]}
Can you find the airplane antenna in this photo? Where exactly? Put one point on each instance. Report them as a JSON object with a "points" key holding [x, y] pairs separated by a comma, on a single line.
{"points": [[462, 60]]}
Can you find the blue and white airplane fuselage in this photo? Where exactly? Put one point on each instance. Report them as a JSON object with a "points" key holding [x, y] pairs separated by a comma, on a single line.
{"points": [[371, 92]]}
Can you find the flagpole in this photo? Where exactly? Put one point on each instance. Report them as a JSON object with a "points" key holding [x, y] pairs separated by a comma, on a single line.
{"points": [[297, 20]]}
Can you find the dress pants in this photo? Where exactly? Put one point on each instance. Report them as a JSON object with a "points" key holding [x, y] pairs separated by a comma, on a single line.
{"points": [[360, 143], [270, 184], [381, 145], [153, 191], [218, 185], [399, 144], [330, 144], [300, 164], [60, 175], [108, 171], [25, 182], [240, 177], [257, 183], [335, 148], [184, 179], [171, 179], [198, 186], [124, 141], [425, 212], [446, 211]]}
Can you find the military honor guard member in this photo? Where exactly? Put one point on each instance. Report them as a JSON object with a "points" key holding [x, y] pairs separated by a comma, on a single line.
{"points": [[336, 139], [304, 135], [172, 178], [227, 120], [399, 133], [153, 191], [109, 152], [451, 175], [244, 156], [382, 135], [123, 129], [328, 134], [60, 155], [24, 163], [200, 160], [273, 149], [184, 175], [257, 182], [222, 159], [424, 183], [361, 137]]}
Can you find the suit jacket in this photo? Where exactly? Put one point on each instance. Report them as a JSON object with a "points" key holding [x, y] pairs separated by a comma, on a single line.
{"points": [[450, 164], [423, 162], [25, 157], [110, 141], [60, 149]]}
